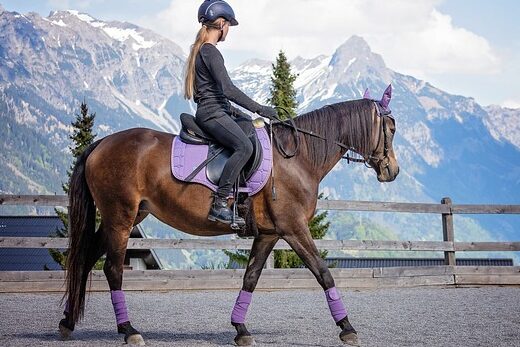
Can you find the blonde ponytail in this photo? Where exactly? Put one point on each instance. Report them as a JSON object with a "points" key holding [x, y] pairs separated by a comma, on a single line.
{"points": [[189, 83], [202, 37]]}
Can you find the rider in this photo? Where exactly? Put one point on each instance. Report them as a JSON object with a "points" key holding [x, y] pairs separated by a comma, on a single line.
{"points": [[208, 83]]}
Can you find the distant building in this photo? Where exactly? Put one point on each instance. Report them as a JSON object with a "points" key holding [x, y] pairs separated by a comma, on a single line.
{"points": [[39, 259], [28, 259], [141, 259]]}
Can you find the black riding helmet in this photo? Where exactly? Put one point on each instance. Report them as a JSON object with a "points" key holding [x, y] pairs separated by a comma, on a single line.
{"points": [[210, 10]]}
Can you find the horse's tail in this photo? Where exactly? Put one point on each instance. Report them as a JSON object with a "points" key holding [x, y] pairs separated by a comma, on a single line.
{"points": [[82, 224]]}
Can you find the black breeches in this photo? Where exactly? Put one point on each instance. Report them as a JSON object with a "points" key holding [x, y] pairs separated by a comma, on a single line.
{"points": [[228, 133]]}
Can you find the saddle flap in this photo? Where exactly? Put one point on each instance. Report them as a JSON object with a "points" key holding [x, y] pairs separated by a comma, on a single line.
{"points": [[215, 167]]}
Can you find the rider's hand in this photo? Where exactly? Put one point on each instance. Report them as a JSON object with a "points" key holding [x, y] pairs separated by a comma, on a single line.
{"points": [[267, 112]]}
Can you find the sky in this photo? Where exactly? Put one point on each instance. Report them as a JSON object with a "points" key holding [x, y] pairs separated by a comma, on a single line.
{"points": [[464, 47]]}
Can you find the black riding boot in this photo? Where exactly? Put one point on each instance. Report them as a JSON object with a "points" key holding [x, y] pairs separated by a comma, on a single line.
{"points": [[220, 211]]}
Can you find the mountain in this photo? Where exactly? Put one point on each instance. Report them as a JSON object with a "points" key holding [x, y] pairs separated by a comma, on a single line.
{"points": [[503, 124], [447, 145], [439, 135], [128, 75]]}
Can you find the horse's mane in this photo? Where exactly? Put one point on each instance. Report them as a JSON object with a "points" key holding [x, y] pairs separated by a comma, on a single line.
{"points": [[348, 122]]}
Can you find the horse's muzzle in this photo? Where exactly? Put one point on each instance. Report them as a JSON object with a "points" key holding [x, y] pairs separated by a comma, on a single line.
{"points": [[388, 174]]}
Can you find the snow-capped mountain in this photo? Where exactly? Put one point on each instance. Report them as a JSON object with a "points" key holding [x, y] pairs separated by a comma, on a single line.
{"points": [[503, 124], [129, 77], [354, 67], [133, 74], [447, 145], [425, 115]]}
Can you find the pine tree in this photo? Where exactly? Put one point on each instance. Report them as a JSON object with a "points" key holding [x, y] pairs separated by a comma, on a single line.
{"points": [[240, 258], [82, 137], [282, 90], [283, 94]]}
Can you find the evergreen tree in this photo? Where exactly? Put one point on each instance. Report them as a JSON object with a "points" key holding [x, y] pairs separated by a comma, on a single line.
{"points": [[282, 90], [283, 94], [239, 257], [82, 137]]}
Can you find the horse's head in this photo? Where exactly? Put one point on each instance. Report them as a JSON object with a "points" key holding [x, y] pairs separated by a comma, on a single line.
{"points": [[383, 159]]}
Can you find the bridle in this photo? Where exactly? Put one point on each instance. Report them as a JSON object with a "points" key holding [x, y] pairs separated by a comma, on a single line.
{"points": [[382, 163], [386, 115]]}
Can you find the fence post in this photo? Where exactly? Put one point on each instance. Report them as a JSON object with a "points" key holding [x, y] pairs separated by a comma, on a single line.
{"points": [[448, 232]]}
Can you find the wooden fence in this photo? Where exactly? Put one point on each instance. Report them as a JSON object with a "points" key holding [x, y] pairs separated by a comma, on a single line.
{"points": [[449, 274]]}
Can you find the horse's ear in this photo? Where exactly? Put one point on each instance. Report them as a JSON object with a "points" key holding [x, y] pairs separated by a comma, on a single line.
{"points": [[366, 95], [387, 95]]}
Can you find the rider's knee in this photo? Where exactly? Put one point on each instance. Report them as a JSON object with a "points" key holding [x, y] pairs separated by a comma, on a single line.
{"points": [[247, 148]]}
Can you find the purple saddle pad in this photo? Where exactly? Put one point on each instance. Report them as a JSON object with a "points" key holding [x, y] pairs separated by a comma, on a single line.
{"points": [[186, 157]]}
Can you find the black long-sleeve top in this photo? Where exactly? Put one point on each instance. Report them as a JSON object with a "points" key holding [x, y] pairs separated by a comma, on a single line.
{"points": [[213, 84]]}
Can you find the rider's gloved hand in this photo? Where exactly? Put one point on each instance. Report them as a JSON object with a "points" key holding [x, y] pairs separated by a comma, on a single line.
{"points": [[267, 112]]}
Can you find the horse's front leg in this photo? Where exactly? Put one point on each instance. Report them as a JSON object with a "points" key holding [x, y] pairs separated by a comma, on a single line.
{"points": [[262, 247], [300, 240]]}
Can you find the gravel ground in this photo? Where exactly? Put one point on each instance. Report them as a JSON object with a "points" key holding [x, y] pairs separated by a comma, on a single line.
{"points": [[487, 316]]}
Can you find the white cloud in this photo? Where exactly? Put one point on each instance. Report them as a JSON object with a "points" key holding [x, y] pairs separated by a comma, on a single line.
{"points": [[70, 4], [412, 36], [510, 103], [59, 4]]}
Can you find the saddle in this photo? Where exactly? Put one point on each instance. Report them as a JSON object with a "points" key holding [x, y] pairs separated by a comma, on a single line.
{"points": [[194, 150], [217, 156]]}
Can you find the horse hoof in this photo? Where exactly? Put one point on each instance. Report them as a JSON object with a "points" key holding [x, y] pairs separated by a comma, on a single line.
{"points": [[65, 332], [136, 340], [245, 340], [350, 339]]}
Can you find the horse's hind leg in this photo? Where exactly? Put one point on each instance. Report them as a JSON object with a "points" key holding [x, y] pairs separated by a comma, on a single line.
{"points": [[300, 240], [117, 229], [262, 246]]}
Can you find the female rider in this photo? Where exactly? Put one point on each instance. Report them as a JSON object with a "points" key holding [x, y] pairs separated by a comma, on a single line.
{"points": [[208, 83]]}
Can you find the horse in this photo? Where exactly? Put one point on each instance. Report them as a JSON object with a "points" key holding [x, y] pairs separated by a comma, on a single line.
{"points": [[127, 175]]}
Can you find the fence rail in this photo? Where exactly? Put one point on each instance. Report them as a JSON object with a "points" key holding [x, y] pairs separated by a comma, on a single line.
{"points": [[337, 245], [341, 205], [53, 281], [293, 278]]}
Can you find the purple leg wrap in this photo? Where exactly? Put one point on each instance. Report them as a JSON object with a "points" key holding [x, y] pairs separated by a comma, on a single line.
{"points": [[240, 309], [337, 309], [118, 301]]}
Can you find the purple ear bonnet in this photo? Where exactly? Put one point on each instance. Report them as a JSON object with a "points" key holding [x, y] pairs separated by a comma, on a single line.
{"points": [[387, 95], [385, 100]]}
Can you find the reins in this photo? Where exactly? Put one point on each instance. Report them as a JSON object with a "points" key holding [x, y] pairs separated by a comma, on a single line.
{"points": [[296, 130], [293, 126]]}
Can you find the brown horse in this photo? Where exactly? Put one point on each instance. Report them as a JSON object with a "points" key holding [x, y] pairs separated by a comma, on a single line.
{"points": [[127, 175]]}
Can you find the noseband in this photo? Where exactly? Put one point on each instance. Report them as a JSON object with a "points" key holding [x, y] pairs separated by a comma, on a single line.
{"points": [[382, 163]]}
